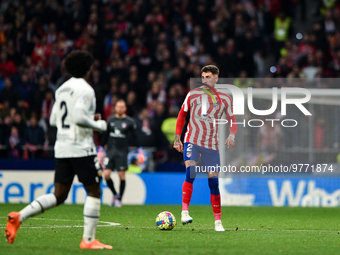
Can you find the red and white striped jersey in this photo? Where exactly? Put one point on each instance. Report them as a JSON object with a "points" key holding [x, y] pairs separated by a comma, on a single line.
{"points": [[201, 130]]}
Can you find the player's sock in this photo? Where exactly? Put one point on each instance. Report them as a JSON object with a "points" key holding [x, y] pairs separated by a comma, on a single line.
{"points": [[186, 197], [121, 188], [215, 197], [187, 189], [91, 216], [111, 186], [38, 206]]}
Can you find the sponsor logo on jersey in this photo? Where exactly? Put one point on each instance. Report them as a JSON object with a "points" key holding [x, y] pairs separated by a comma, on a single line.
{"points": [[205, 118], [86, 99], [124, 125], [117, 134]]}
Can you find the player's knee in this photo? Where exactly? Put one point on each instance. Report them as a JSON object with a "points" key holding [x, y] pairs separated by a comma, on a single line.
{"points": [[189, 178], [95, 192], [107, 174], [121, 175], [60, 198], [213, 185], [190, 175]]}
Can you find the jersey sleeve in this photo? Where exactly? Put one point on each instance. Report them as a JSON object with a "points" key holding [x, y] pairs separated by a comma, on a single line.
{"points": [[228, 102], [183, 114], [81, 114], [53, 116], [186, 103]]}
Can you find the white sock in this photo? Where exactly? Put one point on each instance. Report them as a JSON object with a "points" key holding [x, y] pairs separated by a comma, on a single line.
{"points": [[91, 216], [38, 206]]}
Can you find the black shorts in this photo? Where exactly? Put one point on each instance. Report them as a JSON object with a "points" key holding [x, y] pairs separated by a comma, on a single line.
{"points": [[87, 169], [118, 161]]}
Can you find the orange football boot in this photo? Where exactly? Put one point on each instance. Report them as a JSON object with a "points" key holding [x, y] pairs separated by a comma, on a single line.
{"points": [[13, 224], [95, 245]]}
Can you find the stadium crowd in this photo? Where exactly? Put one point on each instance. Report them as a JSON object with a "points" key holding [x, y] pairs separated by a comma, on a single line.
{"points": [[146, 51]]}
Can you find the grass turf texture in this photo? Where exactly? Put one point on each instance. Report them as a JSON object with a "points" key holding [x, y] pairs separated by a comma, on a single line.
{"points": [[249, 230]]}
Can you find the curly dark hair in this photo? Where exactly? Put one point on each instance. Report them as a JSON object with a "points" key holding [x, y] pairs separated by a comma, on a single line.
{"points": [[210, 68], [78, 63]]}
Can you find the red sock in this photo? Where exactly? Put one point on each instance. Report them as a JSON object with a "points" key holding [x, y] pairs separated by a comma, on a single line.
{"points": [[216, 205], [186, 195]]}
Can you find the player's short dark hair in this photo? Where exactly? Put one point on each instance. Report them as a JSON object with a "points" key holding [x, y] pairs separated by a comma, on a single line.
{"points": [[210, 68], [121, 100], [78, 63]]}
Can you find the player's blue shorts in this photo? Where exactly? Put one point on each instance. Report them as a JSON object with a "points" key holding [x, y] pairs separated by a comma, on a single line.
{"points": [[208, 157]]}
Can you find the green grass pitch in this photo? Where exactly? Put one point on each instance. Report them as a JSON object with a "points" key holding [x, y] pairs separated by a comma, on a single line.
{"points": [[249, 230]]}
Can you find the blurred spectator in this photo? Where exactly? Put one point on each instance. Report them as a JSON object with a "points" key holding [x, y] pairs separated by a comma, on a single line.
{"points": [[176, 96], [14, 144], [132, 106], [282, 26], [110, 108], [25, 87], [34, 138], [269, 138], [4, 109], [296, 73], [9, 93], [283, 68], [47, 104], [123, 91], [19, 124], [243, 81], [113, 91], [168, 126], [155, 94], [133, 167], [6, 65], [6, 127], [38, 94], [2, 138], [324, 6], [147, 129], [319, 133], [310, 71]]}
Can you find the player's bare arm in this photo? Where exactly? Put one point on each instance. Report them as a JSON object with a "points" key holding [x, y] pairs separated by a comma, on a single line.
{"points": [[178, 145]]}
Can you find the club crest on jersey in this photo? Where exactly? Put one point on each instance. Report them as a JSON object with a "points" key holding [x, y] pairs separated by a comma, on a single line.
{"points": [[86, 99], [124, 125]]}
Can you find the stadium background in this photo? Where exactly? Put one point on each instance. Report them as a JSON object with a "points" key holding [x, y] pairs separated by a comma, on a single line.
{"points": [[146, 52]]}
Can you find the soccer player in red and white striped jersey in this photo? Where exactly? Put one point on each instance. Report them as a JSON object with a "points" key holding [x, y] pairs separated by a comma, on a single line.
{"points": [[205, 105]]}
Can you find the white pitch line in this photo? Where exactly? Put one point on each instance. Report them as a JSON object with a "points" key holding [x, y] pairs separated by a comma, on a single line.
{"points": [[195, 229], [244, 229], [109, 224], [133, 227]]}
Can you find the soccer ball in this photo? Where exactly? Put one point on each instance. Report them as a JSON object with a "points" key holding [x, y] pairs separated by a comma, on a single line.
{"points": [[165, 221]]}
